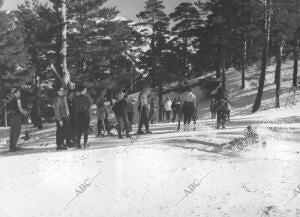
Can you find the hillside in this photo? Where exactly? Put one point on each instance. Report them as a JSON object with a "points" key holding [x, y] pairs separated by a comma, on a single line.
{"points": [[167, 173]]}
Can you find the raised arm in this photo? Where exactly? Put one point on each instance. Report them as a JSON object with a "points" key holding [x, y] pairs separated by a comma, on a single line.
{"points": [[21, 108]]}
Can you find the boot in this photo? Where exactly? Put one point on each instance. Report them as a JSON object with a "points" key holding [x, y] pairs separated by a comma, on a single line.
{"points": [[63, 147]]}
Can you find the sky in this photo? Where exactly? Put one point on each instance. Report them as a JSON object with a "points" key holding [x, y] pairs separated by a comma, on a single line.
{"points": [[127, 8]]}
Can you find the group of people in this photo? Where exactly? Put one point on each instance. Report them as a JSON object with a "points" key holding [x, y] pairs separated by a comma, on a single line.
{"points": [[169, 107], [123, 109], [72, 108], [185, 109], [72, 114]]}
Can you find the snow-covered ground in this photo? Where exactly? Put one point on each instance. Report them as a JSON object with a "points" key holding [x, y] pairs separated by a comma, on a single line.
{"points": [[166, 174]]}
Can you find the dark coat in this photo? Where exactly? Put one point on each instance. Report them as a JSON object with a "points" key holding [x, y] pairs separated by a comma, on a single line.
{"points": [[120, 108]]}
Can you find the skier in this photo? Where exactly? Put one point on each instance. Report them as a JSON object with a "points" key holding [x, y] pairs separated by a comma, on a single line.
{"points": [[121, 111], [36, 115], [213, 108], [16, 119], [175, 107], [222, 107], [130, 115], [188, 109], [144, 114], [62, 116], [168, 105], [153, 111], [101, 111], [82, 104], [71, 94]]}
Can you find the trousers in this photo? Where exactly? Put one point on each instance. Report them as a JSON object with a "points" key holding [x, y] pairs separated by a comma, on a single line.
{"points": [[63, 133], [122, 119], [15, 130]]}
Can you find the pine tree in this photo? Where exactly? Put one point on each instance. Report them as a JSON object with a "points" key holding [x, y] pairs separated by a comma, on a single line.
{"points": [[282, 31], [219, 30], [295, 20], [64, 66], [97, 38], [245, 22], [187, 19], [154, 17], [34, 27], [13, 58], [265, 55], [13, 55]]}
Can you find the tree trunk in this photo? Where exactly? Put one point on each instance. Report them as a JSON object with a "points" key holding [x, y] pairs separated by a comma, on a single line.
{"points": [[224, 78], [66, 74], [244, 60], [218, 71], [296, 57], [278, 74], [5, 115], [223, 63], [218, 64], [160, 100], [186, 61], [265, 54], [58, 54], [35, 63]]}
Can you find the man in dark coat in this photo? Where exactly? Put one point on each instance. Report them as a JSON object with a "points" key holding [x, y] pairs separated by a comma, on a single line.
{"points": [[36, 115], [130, 107], [17, 113], [222, 107], [82, 104], [62, 116], [120, 109]]}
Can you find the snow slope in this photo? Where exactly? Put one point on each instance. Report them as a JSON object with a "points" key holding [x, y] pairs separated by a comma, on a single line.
{"points": [[168, 173]]}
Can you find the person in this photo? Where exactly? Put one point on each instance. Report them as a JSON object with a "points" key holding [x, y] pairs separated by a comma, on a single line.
{"points": [[17, 113], [82, 104], [189, 107], [228, 110], [163, 110], [108, 125], [168, 109], [71, 94], [153, 112], [213, 108], [36, 115], [173, 109], [176, 107], [195, 117], [222, 107], [121, 111], [62, 116], [144, 114], [130, 112], [101, 111]]}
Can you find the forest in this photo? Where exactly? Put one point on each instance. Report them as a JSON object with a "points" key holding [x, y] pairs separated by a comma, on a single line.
{"points": [[86, 41]]}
